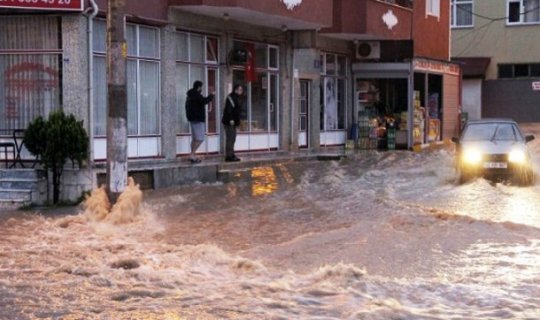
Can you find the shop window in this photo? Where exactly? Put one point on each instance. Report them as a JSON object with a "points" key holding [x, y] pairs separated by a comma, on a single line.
{"points": [[330, 64], [211, 50], [261, 55], [142, 81], [182, 47], [149, 43], [333, 92], [273, 62], [260, 103], [196, 59], [30, 65], [523, 11], [462, 13]]}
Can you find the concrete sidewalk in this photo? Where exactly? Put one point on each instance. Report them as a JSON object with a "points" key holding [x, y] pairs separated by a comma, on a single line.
{"points": [[156, 175]]}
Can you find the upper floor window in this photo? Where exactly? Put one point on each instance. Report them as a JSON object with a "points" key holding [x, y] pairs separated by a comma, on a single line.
{"points": [[433, 7], [402, 3], [523, 11], [519, 70], [462, 13]]}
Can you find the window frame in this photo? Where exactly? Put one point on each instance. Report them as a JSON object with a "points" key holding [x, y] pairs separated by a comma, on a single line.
{"points": [[513, 70], [454, 10], [521, 21], [137, 58], [268, 71], [433, 8], [336, 77], [207, 65], [57, 53]]}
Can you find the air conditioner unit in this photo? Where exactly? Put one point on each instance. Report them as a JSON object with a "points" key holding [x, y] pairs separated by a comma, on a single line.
{"points": [[367, 50]]}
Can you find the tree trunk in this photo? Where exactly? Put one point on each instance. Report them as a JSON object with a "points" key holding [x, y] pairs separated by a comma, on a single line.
{"points": [[116, 100]]}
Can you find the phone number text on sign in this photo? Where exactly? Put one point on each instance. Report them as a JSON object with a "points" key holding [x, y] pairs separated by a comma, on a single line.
{"points": [[67, 5]]}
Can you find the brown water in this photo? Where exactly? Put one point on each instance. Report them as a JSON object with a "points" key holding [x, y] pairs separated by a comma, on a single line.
{"points": [[376, 236]]}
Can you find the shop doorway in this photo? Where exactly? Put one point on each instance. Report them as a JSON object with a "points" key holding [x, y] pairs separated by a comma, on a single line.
{"points": [[303, 114]]}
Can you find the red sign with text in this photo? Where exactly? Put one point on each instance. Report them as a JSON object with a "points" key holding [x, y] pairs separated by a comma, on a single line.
{"points": [[56, 5]]}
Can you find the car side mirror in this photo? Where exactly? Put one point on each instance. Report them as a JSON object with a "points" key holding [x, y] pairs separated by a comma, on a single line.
{"points": [[455, 140], [529, 138]]}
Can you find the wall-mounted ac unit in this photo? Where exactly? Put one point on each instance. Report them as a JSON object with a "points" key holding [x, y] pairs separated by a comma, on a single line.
{"points": [[367, 50]]}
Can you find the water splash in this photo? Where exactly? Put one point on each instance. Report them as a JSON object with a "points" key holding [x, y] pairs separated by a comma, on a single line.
{"points": [[98, 207]]}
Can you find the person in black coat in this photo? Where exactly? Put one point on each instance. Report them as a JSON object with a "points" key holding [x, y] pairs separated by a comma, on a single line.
{"points": [[196, 115], [231, 120]]}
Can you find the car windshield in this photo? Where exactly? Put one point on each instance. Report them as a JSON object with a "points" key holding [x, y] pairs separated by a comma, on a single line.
{"points": [[491, 132]]}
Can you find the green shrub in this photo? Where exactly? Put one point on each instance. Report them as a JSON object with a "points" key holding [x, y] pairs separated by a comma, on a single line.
{"points": [[55, 140]]}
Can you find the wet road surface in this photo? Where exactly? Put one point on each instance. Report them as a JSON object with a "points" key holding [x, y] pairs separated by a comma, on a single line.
{"points": [[380, 235]]}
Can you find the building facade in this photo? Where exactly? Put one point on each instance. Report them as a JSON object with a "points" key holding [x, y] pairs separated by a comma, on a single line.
{"points": [[314, 70], [497, 43]]}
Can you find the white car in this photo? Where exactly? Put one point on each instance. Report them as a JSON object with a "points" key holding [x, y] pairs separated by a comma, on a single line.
{"points": [[494, 148]]}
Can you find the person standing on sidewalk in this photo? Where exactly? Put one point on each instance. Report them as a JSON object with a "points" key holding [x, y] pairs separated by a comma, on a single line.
{"points": [[231, 120], [196, 115]]}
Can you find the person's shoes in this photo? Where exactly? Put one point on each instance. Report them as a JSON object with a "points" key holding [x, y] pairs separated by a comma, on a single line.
{"points": [[195, 160], [235, 158], [229, 159]]}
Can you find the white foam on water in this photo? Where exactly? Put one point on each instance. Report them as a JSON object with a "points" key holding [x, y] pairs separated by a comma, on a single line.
{"points": [[475, 244]]}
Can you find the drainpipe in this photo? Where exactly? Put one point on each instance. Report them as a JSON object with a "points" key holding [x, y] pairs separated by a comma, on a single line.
{"points": [[90, 18]]}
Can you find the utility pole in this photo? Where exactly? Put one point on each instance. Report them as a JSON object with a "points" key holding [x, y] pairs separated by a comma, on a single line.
{"points": [[116, 100]]}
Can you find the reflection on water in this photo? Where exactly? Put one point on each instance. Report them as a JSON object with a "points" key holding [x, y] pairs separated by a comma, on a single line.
{"points": [[263, 181]]}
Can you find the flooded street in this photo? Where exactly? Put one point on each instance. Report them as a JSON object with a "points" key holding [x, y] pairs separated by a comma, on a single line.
{"points": [[379, 235]]}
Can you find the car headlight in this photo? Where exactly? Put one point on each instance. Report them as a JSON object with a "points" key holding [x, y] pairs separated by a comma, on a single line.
{"points": [[472, 156], [517, 156]]}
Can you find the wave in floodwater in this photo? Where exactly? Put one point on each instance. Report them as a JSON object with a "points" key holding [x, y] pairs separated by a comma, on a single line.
{"points": [[88, 271], [250, 243]]}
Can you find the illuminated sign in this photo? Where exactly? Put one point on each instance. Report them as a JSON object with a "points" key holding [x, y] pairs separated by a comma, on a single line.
{"points": [[56, 5]]}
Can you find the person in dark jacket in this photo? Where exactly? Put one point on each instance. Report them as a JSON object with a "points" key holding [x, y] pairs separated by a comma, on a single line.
{"points": [[196, 115], [231, 120]]}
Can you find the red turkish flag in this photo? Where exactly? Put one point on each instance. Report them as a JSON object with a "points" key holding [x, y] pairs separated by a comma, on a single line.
{"points": [[251, 75]]}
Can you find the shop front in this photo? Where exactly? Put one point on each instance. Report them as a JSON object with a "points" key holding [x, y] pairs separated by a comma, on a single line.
{"points": [[333, 96], [259, 74], [383, 101], [437, 95], [400, 105], [197, 59]]}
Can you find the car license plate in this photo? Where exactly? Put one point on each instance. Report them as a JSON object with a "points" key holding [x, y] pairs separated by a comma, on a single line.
{"points": [[495, 165]]}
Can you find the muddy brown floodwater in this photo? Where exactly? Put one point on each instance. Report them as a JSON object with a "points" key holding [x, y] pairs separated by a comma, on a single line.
{"points": [[375, 236]]}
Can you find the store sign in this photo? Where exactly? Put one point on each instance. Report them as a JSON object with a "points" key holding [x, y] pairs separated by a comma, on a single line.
{"points": [[536, 86], [434, 66], [56, 5]]}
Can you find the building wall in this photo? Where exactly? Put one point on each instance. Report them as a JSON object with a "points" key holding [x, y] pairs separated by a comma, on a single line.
{"points": [[155, 9], [494, 39], [431, 34], [451, 106], [513, 99], [472, 98]]}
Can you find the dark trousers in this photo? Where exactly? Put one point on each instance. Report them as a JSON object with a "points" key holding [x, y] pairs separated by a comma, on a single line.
{"points": [[230, 139]]}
